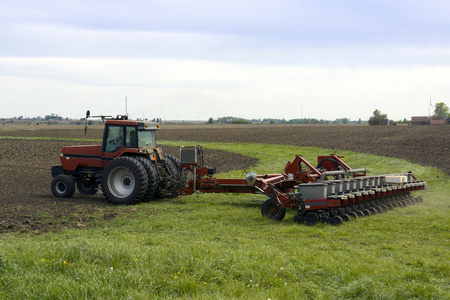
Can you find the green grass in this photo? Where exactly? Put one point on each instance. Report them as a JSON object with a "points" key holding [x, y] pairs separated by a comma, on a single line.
{"points": [[217, 246]]}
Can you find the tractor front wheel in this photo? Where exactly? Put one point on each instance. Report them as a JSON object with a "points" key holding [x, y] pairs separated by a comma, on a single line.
{"points": [[124, 181], [63, 186], [273, 210]]}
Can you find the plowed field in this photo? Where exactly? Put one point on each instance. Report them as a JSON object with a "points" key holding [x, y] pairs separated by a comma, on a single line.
{"points": [[26, 202]]}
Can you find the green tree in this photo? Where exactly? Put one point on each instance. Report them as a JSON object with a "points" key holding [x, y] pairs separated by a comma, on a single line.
{"points": [[441, 111], [210, 121], [377, 118], [240, 121], [52, 116]]}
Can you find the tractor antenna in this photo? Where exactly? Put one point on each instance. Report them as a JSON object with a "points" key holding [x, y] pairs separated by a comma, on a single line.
{"points": [[126, 106]]}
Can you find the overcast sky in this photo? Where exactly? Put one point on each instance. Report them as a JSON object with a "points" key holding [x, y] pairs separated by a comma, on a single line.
{"points": [[197, 59]]}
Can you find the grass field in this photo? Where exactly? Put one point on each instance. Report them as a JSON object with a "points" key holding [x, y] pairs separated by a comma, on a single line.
{"points": [[217, 246]]}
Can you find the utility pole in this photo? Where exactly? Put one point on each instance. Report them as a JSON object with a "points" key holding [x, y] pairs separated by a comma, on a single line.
{"points": [[429, 109]]}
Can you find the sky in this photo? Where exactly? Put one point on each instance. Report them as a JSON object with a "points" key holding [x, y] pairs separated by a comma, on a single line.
{"points": [[192, 60]]}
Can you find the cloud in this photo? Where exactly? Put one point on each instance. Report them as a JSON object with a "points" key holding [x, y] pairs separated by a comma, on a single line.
{"points": [[281, 59], [211, 30], [70, 42]]}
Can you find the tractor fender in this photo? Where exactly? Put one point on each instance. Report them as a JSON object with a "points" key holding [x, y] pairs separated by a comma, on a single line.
{"points": [[57, 170]]}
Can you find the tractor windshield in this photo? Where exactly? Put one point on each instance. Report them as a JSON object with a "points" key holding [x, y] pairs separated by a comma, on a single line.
{"points": [[146, 138]]}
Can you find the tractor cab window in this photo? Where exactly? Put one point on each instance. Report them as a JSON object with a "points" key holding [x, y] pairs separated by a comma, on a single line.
{"points": [[114, 139], [128, 137], [147, 138], [131, 137], [120, 137]]}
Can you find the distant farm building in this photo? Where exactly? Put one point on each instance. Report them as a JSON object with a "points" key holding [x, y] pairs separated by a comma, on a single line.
{"points": [[424, 121], [437, 122], [419, 120]]}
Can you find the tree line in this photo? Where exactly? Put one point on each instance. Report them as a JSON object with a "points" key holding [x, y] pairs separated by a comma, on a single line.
{"points": [[441, 112], [237, 120]]}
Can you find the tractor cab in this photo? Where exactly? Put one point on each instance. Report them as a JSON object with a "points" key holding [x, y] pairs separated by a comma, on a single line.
{"points": [[120, 134]]}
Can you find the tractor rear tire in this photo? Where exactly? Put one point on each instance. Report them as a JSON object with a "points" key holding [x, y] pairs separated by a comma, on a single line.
{"points": [[87, 186], [177, 169], [152, 179], [178, 180], [124, 181], [273, 210], [63, 186]]}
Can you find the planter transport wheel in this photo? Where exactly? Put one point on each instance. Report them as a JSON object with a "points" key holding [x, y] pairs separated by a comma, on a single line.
{"points": [[311, 219], [273, 210]]}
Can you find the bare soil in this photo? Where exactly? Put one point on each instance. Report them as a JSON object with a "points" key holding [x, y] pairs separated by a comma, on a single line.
{"points": [[426, 145], [27, 204]]}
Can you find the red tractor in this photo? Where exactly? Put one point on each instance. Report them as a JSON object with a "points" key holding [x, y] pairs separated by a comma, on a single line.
{"points": [[128, 166]]}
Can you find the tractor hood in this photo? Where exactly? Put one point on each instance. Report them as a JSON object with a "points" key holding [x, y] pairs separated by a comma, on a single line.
{"points": [[87, 150], [81, 156]]}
